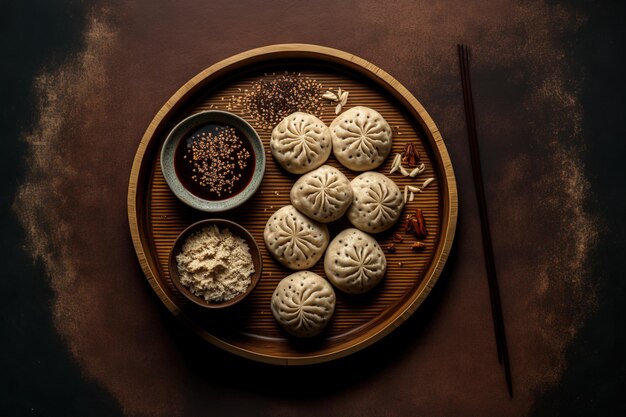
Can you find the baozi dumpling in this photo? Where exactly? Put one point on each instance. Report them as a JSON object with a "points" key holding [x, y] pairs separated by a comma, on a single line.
{"points": [[323, 194], [295, 240], [301, 142], [377, 202], [303, 304], [354, 262], [361, 138]]}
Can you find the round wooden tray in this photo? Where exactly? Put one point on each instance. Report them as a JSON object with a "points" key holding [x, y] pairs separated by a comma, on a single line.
{"points": [[156, 217]]}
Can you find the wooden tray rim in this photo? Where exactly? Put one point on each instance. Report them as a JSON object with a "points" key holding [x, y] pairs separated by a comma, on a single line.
{"points": [[449, 191]]}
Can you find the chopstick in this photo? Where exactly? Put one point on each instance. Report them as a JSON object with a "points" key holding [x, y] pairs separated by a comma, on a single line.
{"points": [[492, 278]]}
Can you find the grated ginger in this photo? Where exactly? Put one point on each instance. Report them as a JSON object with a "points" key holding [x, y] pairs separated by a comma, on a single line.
{"points": [[215, 265]]}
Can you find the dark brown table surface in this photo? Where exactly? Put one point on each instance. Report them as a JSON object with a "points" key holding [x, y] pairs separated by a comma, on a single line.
{"points": [[82, 332]]}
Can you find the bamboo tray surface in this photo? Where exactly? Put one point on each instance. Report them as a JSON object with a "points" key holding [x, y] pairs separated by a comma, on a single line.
{"points": [[156, 217]]}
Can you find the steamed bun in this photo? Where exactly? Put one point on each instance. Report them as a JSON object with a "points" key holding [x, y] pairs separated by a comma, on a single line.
{"points": [[377, 203], [303, 304], [361, 138], [294, 240], [300, 142], [354, 262], [323, 194]]}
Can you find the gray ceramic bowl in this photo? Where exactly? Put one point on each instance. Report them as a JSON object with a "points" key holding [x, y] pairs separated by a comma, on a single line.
{"points": [[191, 124]]}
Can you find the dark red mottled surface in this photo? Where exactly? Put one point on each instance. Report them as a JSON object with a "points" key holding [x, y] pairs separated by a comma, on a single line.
{"points": [[442, 362]]}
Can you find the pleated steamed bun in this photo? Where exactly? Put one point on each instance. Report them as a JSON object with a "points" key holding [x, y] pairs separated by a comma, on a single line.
{"points": [[294, 240], [377, 202], [354, 262], [303, 304], [361, 138], [300, 143], [323, 194]]}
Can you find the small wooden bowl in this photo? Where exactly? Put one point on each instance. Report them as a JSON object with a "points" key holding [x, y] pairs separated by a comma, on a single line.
{"points": [[236, 230]]}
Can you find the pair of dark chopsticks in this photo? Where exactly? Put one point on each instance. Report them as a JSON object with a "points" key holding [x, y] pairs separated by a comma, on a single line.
{"points": [[492, 278]]}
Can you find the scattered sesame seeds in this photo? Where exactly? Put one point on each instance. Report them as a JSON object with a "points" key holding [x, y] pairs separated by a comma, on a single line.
{"points": [[272, 98]]}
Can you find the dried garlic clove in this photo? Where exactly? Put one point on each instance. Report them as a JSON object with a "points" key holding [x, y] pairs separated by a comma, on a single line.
{"points": [[329, 95], [412, 196], [338, 109], [403, 171], [406, 194], [344, 98], [428, 181], [414, 189], [420, 168], [395, 165], [339, 92]]}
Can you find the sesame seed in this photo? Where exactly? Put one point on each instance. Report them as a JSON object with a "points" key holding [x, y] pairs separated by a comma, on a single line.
{"points": [[214, 156], [273, 97]]}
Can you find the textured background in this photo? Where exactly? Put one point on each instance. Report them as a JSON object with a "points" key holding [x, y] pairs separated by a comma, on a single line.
{"points": [[82, 333]]}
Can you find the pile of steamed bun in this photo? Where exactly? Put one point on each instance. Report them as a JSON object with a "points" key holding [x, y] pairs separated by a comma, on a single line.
{"points": [[297, 236]]}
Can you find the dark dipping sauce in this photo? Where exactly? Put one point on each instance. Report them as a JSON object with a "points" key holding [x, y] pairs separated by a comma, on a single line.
{"points": [[214, 162]]}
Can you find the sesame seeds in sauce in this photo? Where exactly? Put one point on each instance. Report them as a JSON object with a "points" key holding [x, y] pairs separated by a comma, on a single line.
{"points": [[215, 162]]}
